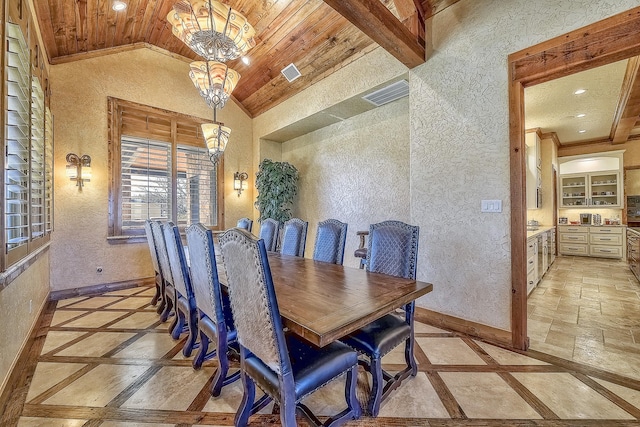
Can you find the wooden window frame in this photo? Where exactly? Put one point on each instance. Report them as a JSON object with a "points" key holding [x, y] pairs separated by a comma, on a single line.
{"points": [[16, 256], [115, 107]]}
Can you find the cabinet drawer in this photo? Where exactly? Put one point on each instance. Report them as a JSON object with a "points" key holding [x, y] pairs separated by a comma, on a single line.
{"points": [[605, 239], [607, 230], [531, 282], [531, 263], [573, 229], [572, 249], [606, 251], [531, 247], [573, 238]]}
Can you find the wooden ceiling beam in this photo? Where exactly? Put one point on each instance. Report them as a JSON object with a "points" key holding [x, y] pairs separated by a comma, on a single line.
{"points": [[628, 108], [601, 45], [377, 22], [408, 8]]}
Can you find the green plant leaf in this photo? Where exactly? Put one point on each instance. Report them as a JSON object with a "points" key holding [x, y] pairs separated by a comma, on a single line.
{"points": [[277, 185]]}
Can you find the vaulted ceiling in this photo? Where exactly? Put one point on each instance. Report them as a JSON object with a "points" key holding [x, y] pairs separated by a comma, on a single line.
{"points": [[319, 37]]}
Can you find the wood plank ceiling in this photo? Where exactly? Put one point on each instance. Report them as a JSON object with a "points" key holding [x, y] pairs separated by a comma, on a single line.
{"points": [[312, 34]]}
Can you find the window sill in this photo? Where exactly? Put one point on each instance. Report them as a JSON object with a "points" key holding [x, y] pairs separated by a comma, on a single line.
{"points": [[121, 240], [21, 266]]}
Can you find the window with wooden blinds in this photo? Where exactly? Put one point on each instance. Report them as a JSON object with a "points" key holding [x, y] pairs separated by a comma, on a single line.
{"points": [[37, 175], [48, 171], [28, 174], [17, 133], [145, 182], [160, 169], [197, 187]]}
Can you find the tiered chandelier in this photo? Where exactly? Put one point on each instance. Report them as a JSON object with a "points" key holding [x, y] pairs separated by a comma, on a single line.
{"points": [[218, 33]]}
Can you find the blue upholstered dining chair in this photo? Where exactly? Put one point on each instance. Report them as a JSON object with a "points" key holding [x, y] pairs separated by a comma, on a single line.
{"points": [[156, 266], [269, 229], [186, 318], [215, 322], [330, 238], [294, 237], [286, 367], [393, 250], [163, 259], [245, 223]]}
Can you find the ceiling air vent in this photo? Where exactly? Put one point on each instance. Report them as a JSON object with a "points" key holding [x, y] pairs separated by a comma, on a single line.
{"points": [[290, 72], [389, 93]]}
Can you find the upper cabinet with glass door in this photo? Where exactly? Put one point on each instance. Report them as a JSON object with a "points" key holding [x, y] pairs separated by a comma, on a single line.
{"points": [[591, 180]]}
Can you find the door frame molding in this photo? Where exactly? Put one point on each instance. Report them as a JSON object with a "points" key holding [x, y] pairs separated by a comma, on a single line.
{"points": [[612, 39]]}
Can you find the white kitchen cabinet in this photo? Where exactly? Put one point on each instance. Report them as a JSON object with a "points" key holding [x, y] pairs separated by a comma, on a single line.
{"points": [[573, 240], [595, 241], [534, 170], [591, 181], [606, 242], [532, 263], [596, 189]]}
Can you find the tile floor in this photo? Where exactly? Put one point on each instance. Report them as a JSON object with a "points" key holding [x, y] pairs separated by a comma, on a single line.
{"points": [[588, 310], [108, 361]]}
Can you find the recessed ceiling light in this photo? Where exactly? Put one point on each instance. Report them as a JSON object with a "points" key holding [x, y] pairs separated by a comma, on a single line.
{"points": [[245, 60], [579, 91], [118, 5], [581, 115], [582, 131]]}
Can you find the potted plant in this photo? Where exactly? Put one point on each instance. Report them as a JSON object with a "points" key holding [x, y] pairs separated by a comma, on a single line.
{"points": [[277, 184]]}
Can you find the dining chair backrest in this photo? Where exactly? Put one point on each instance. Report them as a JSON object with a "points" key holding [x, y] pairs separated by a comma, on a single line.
{"points": [[163, 256], [294, 237], [204, 272], [152, 245], [177, 260], [393, 249], [330, 238], [269, 229], [245, 223], [253, 298]]}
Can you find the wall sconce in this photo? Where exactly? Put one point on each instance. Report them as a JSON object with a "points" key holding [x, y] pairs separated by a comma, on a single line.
{"points": [[240, 182], [79, 168]]}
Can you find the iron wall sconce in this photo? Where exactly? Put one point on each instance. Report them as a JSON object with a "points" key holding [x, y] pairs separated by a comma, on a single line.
{"points": [[240, 182], [79, 168]]}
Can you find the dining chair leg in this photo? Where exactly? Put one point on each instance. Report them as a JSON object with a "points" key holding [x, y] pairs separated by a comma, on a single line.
{"points": [[156, 297], [177, 325], [202, 350], [288, 409], [409, 357], [193, 332], [377, 384], [166, 312], [223, 368], [249, 387], [350, 392], [163, 299]]}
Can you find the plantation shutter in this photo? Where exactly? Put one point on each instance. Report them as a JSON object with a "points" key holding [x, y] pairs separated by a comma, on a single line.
{"points": [[48, 164], [160, 170], [37, 176], [18, 73], [196, 187], [145, 182]]}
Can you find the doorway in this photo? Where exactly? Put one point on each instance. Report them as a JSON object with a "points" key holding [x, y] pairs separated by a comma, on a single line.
{"points": [[601, 43]]}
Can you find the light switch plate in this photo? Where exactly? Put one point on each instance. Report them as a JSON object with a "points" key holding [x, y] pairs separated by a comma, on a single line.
{"points": [[491, 206]]}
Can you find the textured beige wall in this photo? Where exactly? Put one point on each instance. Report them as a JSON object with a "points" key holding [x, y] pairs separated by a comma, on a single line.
{"points": [[372, 69], [460, 146], [79, 105], [17, 322], [356, 171]]}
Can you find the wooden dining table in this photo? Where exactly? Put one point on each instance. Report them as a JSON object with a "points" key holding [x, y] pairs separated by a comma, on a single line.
{"points": [[323, 302]]}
